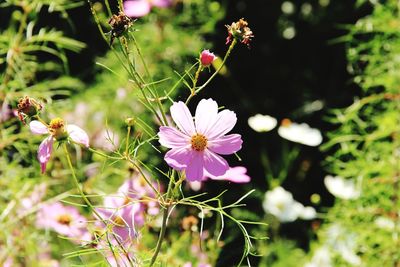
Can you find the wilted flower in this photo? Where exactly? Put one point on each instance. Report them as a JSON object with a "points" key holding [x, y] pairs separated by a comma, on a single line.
{"points": [[206, 58], [27, 107], [140, 8], [262, 123], [300, 133], [65, 220], [341, 188], [239, 30], [281, 204], [57, 131], [195, 147], [119, 24]]}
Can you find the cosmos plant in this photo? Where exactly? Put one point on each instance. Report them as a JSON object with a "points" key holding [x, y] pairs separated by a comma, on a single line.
{"points": [[194, 149]]}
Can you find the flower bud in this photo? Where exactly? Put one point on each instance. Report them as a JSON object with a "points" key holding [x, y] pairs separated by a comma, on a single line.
{"points": [[28, 107], [206, 58], [130, 121]]}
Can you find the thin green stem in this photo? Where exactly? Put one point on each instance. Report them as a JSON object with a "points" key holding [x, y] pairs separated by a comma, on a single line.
{"points": [[215, 73], [127, 140], [164, 220], [75, 179]]}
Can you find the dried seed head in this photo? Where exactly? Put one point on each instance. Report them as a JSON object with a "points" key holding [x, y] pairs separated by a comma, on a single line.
{"points": [[239, 30], [119, 24], [28, 107]]}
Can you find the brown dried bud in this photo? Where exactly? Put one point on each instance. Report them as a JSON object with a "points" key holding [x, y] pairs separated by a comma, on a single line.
{"points": [[28, 107], [239, 30], [119, 24]]}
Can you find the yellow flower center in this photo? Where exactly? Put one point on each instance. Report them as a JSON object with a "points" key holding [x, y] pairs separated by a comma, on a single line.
{"points": [[199, 142], [65, 219], [56, 128]]}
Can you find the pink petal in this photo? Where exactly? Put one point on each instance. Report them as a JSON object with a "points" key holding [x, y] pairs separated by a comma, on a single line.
{"points": [[182, 117], [172, 138], [38, 128], [178, 158], [44, 152], [137, 8], [161, 3], [234, 174], [206, 115], [78, 135], [214, 164], [225, 121], [226, 145], [195, 169]]}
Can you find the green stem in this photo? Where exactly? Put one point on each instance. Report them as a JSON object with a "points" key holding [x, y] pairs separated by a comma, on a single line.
{"points": [[215, 73], [127, 140], [164, 220], [75, 179]]}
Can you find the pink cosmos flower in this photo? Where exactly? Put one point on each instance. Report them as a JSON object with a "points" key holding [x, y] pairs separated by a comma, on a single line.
{"points": [[196, 146], [140, 8], [206, 58], [56, 131], [236, 174], [65, 220]]}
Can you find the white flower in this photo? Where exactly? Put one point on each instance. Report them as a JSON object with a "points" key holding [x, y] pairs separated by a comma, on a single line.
{"points": [[385, 223], [300, 133], [308, 213], [262, 123], [321, 258], [344, 243], [341, 188], [281, 204]]}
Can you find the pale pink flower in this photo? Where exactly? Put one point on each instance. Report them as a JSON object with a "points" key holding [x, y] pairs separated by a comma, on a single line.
{"points": [[206, 58], [140, 8], [65, 220], [57, 131], [196, 146], [27, 203], [236, 174], [127, 209]]}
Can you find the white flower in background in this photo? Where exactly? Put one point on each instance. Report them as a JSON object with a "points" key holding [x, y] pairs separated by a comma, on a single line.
{"points": [[321, 258], [341, 188], [308, 213], [385, 223], [281, 204], [300, 133], [262, 123], [343, 242]]}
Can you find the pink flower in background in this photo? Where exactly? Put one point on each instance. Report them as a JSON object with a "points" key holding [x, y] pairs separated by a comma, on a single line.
{"points": [[196, 146], [56, 130], [140, 8], [206, 58], [127, 209], [27, 203], [234, 174], [65, 220]]}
